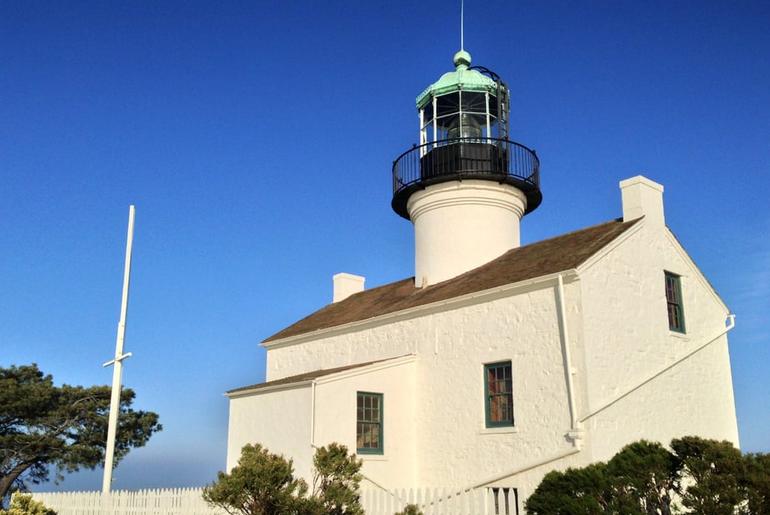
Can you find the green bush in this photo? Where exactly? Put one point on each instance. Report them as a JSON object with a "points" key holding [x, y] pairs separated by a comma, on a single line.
{"points": [[24, 504], [337, 480], [264, 484], [410, 509], [261, 484], [707, 476]]}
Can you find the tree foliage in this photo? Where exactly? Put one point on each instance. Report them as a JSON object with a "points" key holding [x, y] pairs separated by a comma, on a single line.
{"points": [[572, 492], [641, 478], [263, 483], [336, 480], [714, 470], [64, 427], [706, 476], [756, 481], [24, 504], [410, 509]]}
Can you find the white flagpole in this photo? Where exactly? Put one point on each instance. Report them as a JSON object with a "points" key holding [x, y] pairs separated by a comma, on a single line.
{"points": [[117, 362], [462, 24]]}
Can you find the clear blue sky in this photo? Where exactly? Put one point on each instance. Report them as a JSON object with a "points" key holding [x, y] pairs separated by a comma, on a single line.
{"points": [[256, 141]]}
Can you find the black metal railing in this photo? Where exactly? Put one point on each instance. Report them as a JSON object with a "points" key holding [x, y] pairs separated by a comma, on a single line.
{"points": [[466, 158]]}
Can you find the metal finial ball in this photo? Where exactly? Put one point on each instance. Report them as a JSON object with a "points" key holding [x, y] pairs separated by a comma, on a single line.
{"points": [[462, 58]]}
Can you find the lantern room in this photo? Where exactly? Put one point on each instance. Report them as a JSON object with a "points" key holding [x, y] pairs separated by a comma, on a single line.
{"points": [[463, 134], [464, 103]]}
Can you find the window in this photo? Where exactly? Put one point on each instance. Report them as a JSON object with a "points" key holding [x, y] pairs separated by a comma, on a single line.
{"points": [[369, 437], [498, 390], [674, 300]]}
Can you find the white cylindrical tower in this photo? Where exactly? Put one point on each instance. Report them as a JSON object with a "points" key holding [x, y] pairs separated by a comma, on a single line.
{"points": [[459, 225], [466, 186]]}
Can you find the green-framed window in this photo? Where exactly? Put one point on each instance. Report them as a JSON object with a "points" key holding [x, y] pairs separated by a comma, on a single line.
{"points": [[369, 427], [674, 301], [498, 394]]}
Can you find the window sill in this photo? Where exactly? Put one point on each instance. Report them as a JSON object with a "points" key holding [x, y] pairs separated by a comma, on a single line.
{"points": [[499, 430], [372, 457], [681, 336]]}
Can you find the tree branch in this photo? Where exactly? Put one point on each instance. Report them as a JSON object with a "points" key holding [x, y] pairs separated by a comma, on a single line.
{"points": [[6, 481]]}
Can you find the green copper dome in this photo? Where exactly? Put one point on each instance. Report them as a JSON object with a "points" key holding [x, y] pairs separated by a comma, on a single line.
{"points": [[460, 79]]}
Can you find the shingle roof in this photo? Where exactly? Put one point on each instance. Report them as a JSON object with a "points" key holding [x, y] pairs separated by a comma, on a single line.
{"points": [[528, 262], [307, 376]]}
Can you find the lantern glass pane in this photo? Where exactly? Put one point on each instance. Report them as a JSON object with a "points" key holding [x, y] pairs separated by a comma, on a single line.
{"points": [[448, 104], [474, 102], [445, 124]]}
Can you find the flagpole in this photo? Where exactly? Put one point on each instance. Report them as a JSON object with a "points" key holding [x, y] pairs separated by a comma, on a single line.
{"points": [[117, 362]]}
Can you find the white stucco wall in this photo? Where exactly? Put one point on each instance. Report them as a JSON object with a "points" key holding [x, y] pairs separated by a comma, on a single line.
{"points": [[453, 448], [336, 418], [628, 339], [616, 315], [278, 419], [281, 420]]}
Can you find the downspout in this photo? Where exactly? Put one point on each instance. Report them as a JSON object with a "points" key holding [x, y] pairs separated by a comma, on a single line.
{"points": [[312, 414], [576, 449], [665, 369], [575, 434]]}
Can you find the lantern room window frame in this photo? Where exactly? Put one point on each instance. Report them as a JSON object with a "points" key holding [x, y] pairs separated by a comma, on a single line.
{"points": [[432, 113]]}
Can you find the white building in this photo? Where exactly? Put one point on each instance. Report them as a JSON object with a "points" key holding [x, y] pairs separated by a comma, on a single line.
{"points": [[497, 363]]}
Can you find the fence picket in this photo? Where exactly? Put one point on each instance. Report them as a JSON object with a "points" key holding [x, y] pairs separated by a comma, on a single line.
{"points": [[189, 501]]}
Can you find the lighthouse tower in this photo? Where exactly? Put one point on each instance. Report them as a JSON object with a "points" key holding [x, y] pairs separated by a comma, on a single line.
{"points": [[466, 186]]}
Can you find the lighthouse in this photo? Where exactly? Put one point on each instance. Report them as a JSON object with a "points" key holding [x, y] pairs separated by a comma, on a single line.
{"points": [[466, 186], [497, 362]]}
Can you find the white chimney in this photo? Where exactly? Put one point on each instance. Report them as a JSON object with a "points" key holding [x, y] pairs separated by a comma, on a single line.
{"points": [[642, 197], [346, 285]]}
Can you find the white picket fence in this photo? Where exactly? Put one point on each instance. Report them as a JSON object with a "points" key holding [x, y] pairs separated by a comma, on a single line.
{"points": [[166, 501], [437, 501], [188, 501]]}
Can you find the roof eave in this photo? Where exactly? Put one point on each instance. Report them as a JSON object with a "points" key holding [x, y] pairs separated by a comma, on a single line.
{"points": [[420, 310], [258, 389], [364, 368]]}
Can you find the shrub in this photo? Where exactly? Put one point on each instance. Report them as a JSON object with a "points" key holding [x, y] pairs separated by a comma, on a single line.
{"points": [[263, 483], [709, 478], [336, 480], [572, 492], [713, 470], [756, 481], [641, 478], [24, 504], [410, 509]]}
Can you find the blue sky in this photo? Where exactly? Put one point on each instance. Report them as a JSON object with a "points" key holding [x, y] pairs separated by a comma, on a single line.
{"points": [[256, 141]]}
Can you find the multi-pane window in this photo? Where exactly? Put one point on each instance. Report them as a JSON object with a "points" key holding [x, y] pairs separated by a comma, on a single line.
{"points": [[674, 300], [498, 389], [369, 436]]}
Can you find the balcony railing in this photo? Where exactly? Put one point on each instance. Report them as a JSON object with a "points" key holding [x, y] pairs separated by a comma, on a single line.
{"points": [[492, 159]]}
